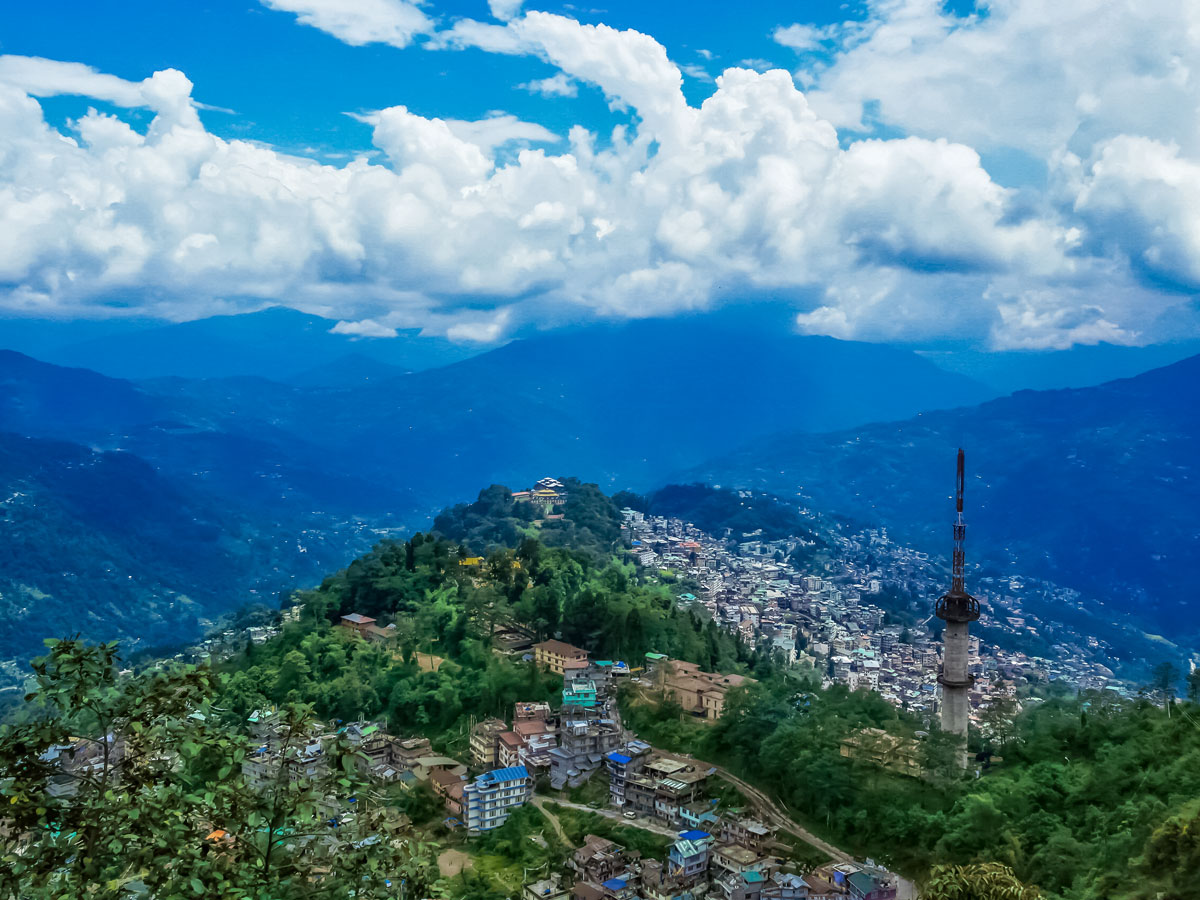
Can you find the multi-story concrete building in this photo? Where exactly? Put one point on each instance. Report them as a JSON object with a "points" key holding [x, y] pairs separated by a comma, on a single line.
{"points": [[490, 799], [621, 763], [687, 860], [656, 785], [579, 692], [484, 738], [584, 740], [559, 656]]}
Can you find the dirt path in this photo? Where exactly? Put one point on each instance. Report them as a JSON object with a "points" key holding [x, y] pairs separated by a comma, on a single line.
{"points": [[640, 822], [540, 803], [451, 862]]}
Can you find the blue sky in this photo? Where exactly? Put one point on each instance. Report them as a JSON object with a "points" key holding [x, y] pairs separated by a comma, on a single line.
{"points": [[288, 85], [1019, 176]]}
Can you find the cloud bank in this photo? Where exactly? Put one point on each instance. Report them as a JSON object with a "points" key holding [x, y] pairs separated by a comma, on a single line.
{"points": [[476, 228]]}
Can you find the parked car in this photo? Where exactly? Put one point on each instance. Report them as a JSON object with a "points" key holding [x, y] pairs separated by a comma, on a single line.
{"points": [[630, 815]]}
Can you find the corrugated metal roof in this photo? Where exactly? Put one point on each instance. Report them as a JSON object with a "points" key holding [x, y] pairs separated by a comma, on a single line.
{"points": [[686, 849], [512, 773]]}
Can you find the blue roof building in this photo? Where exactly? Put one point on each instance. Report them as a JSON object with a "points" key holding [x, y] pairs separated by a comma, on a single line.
{"points": [[687, 860], [490, 799]]}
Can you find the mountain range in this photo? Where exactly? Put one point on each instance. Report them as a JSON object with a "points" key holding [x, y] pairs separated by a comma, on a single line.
{"points": [[276, 342], [333, 454], [1097, 488], [293, 347], [101, 543]]}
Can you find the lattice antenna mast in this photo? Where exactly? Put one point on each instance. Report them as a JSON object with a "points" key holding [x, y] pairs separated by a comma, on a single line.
{"points": [[958, 576], [956, 605]]}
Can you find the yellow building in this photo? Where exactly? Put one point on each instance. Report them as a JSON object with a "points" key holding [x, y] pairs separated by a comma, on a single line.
{"points": [[558, 656]]}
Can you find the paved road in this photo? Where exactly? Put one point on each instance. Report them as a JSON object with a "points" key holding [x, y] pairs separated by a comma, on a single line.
{"points": [[766, 807]]}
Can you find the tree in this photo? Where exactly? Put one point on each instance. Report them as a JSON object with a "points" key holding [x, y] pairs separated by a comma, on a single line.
{"points": [[978, 881], [997, 719], [1165, 676], [153, 796], [1193, 685], [941, 757]]}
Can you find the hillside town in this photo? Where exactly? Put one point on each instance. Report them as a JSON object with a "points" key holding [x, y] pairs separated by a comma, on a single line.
{"points": [[716, 850], [721, 838], [831, 616]]}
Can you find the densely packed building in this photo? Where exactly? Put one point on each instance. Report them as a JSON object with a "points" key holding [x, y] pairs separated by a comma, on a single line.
{"points": [[833, 617]]}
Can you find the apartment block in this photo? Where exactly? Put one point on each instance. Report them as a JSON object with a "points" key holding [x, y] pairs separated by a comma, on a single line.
{"points": [[490, 799]]}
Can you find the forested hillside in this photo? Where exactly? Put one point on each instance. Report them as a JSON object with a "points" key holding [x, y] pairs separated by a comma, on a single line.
{"points": [[1089, 797], [442, 608], [104, 545]]}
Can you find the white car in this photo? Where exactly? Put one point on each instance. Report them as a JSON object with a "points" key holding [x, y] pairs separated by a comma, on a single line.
{"points": [[630, 815]]}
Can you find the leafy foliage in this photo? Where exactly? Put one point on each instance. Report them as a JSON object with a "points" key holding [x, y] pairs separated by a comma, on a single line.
{"points": [[1091, 788], [441, 609], [577, 824], [158, 803], [979, 881]]}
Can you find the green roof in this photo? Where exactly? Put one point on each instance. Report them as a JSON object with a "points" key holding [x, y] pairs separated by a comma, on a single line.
{"points": [[862, 882]]}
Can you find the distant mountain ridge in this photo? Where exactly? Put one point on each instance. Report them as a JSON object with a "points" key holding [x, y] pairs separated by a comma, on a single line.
{"points": [[1097, 487], [276, 342], [266, 463], [624, 406], [102, 543]]}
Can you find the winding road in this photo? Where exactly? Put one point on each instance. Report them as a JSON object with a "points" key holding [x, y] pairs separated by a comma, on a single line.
{"points": [[773, 814]]}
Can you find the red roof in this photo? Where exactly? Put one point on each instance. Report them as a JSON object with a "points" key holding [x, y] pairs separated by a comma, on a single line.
{"points": [[560, 648]]}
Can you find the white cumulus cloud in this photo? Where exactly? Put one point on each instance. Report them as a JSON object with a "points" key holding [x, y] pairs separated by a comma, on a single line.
{"points": [[359, 22], [474, 228], [554, 86]]}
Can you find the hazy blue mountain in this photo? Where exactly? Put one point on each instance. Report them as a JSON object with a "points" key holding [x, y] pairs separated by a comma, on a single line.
{"points": [[217, 472], [274, 343], [222, 437], [42, 399], [106, 545], [1097, 487], [623, 406], [351, 370], [44, 338], [1079, 366]]}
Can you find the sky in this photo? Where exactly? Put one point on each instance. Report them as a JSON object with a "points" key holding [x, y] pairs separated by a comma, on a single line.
{"points": [[1012, 175]]}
